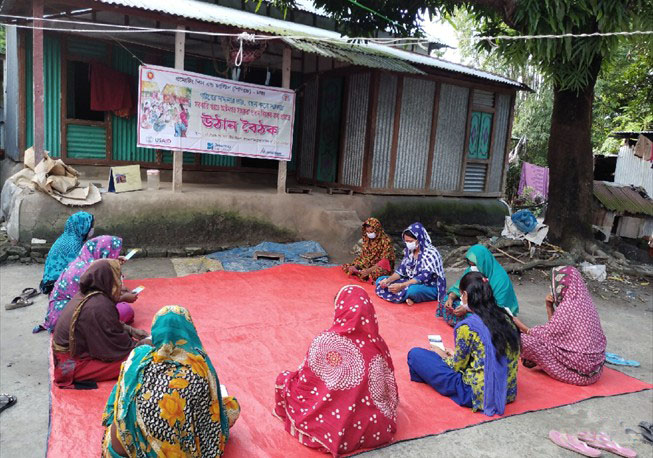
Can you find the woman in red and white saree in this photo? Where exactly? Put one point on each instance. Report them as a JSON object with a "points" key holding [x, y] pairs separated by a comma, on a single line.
{"points": [[344, 395]]}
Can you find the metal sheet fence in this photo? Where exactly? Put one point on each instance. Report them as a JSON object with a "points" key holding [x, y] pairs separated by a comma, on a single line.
{"points": [[449, 138], [381, 150], [497, 155], [414, 133], [355, 129]]}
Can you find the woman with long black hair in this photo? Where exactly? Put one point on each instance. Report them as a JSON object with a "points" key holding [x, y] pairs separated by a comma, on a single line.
{"points": [[481, 372]]}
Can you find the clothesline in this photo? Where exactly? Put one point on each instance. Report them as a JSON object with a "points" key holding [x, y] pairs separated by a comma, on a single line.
{"points": [[117, 28]]}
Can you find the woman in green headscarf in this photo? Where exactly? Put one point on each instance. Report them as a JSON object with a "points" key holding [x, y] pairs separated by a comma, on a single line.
{"points": [[168, 401], [480, 259]]}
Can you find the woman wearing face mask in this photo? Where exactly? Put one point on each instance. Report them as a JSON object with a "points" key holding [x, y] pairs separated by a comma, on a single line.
{"points": [[480, 259], [377, 257], [420, 277], [481, 371]]}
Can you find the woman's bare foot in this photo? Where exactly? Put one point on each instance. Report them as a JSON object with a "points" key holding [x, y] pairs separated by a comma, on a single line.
{"points": [[409, 302]]}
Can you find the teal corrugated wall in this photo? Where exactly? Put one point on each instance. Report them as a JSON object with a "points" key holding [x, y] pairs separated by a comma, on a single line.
{"points": [[52, 93], [87, 48], [125, 130], [86, 142]]}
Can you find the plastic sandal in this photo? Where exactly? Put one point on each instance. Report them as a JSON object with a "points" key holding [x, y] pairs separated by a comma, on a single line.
{"points": [[603, 442], [571, 442], [17, 303], [612, 358], [6, 401]]}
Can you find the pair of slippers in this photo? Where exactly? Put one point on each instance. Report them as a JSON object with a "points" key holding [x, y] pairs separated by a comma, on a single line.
{"points": [[6, 401], [23, 300], [647, 431], [590, 444]]}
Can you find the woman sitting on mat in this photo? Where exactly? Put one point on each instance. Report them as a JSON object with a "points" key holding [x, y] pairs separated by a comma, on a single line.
{"points": [[571, 346], [377, 257], [103, 247], [481, 372], [420, 277], [344, 395], [79, 227], [167, 401], [89, 342], [480, 259]]}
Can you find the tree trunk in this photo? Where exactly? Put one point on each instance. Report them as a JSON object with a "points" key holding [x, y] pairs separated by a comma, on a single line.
{"points": [[569, 211]]}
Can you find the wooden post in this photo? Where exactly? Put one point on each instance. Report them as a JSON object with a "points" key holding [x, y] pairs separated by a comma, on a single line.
{"points": [[38, 83], [178, 155], [286, 67]]}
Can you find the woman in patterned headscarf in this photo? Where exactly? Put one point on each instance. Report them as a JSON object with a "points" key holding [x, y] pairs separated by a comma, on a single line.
{"points": [[344, 396], [67, 285], [377, 256], [168, 401], [571, 346], [79, 227], [420, 277]]}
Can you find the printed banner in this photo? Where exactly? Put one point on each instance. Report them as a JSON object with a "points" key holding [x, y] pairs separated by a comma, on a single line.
{"points": [[185, 111]]}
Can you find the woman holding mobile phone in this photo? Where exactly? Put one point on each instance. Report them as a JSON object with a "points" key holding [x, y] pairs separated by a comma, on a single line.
{"points": [[481, 371]]}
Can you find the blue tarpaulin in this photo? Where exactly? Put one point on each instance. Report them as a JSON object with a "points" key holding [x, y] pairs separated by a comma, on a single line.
{"points": [[242, 259]]}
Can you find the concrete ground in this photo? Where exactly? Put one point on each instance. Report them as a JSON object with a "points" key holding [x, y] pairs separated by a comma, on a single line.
{"points": [[627, 324]]}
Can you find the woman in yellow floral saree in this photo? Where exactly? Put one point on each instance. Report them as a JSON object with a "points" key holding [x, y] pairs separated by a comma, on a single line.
{"points": [[167, 401]]}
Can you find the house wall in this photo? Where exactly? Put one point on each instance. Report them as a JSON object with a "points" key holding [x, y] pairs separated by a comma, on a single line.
{"points": [[404, 134], [632, 170], [11, 99]]}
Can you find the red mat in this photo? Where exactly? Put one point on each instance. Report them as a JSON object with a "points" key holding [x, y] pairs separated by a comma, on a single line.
{"points": [[254, 325]]}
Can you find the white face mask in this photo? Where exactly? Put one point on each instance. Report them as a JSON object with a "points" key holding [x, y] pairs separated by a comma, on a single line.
{"points": [[371, 235], [411, 246], [473, 269]]}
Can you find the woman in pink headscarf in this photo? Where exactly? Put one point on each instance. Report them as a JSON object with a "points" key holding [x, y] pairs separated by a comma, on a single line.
{"points": [[571, 346], [344, 395]]}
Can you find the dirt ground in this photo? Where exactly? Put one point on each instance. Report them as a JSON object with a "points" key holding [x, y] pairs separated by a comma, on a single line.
{"points": [[626, 311]]}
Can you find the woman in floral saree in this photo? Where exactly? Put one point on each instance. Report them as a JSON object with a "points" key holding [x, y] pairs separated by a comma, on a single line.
{"points": [[377, 256], [167, 401]]}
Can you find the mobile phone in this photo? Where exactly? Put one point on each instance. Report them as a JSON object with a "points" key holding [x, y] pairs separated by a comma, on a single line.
{"points": [[436, 340], [131, 254], [223, 391], [138, 289]]}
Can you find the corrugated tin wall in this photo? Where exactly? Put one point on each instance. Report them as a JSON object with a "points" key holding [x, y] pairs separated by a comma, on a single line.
{"points": [[125, 130], [414, 133], [475, 177], [307, 156], [483, 98], [384, 131], [632, 170], [355, 129], [449, 137], [497, 155], [86, 142], [52, 77]]}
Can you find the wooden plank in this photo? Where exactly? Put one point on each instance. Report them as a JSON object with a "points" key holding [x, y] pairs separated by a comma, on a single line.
{"points": [[434, 126], [286, 63], [178, 155], [38, 81], [370, 130], [395, 132]]}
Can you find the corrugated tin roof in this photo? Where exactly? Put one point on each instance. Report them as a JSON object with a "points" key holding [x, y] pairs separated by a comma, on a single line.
{"points": [[623, 199], [369, 55]]}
